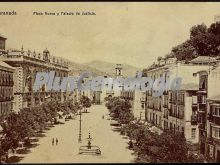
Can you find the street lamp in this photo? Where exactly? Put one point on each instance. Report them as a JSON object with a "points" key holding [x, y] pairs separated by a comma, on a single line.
{"points": [[80, 127]]}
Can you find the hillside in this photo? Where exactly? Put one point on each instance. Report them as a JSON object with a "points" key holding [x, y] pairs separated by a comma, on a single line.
{"points": [[128, 70]]}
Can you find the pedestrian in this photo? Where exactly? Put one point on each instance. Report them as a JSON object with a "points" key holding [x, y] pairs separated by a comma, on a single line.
{"points": [[53, 141], [103, 117], [56, 141]]}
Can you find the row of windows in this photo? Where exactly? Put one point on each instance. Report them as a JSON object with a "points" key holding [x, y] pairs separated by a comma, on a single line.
{"points": [[155, 119], [173, 127], [6, 93], [177, 112], [6, 78], [174, 96], [5, 108]]}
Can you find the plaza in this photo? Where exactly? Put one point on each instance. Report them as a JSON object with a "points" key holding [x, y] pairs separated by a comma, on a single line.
{"points": [[112, 144]]}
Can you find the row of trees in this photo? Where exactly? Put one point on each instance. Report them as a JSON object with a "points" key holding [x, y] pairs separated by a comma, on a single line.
{"points": [[149, 146], [120, 110], [167, 147], [18, 127]]}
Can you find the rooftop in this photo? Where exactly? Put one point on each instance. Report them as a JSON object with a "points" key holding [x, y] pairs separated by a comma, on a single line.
{"points": [[5, 65], [1, 36], [203, 59]]}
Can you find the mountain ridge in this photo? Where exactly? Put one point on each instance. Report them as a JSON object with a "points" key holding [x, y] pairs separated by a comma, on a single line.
{"points": [[101, 68]]}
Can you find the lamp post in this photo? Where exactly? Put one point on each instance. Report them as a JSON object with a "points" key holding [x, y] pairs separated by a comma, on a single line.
{"points": [[80, 127]]}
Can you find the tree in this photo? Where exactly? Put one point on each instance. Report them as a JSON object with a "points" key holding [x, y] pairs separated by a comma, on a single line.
{"points": [[184, 51], [120, 109], [85, 102], [168, 147], [205, 44], [198, 30]]}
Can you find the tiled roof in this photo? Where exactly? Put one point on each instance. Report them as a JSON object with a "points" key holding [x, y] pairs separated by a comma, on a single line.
{"points": [[203, 59], [4, 65]]}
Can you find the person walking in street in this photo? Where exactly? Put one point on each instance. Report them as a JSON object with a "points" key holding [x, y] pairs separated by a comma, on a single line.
{"points": [[56, 141], [53, 141]]}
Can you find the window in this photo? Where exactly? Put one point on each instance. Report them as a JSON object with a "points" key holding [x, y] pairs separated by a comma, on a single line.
{"points": [[142, 105], [211, 151], [194, 99], [215, 110], [201, 99], [193, 135], [216, 132]]}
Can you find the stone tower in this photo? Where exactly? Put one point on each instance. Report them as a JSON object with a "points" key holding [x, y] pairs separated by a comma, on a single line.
{"points": [[118, 70]]}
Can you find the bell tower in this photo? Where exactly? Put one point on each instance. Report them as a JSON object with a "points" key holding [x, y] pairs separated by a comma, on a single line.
{"points": [[118, 70]]}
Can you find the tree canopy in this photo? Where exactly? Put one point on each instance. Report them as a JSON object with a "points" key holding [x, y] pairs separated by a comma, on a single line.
{"points": [[203, 41]]}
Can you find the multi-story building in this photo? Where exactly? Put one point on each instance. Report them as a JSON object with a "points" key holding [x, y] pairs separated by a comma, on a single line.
{"points": [[27, 64], [6, 89], [175, 110], [136, 97], [212, 125], [6, 84]]}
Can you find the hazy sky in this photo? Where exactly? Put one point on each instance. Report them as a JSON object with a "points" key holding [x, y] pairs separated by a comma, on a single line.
{"points": [[135, 33]]}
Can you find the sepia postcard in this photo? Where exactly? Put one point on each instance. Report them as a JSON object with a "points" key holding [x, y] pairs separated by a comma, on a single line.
{"points": [[109, 82]]}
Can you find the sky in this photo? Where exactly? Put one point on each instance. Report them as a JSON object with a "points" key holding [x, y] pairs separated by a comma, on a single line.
{"points": [[135, 33]]}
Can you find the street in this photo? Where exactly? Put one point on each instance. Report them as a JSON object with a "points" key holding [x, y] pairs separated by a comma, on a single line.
{"points": [[112, 144]]}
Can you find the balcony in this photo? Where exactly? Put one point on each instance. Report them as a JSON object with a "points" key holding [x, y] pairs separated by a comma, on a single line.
{"points": [[202, 90], [209, 117], [109, 92], [193, 119], [216, 120]]}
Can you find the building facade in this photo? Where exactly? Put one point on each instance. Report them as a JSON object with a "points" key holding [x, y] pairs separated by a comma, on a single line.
{"points": [[27, 64], [202, 112], [6, 84], [175, 110], [6, 89], [212, 124]]}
